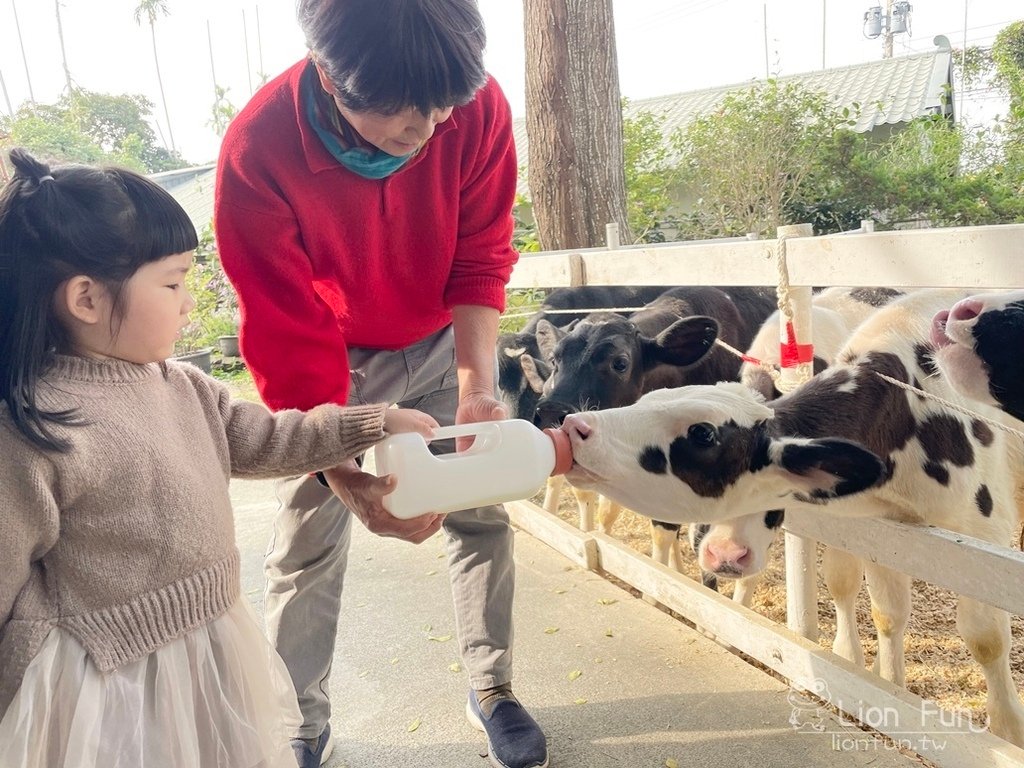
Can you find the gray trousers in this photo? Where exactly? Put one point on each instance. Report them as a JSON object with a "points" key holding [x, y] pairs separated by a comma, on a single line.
{"points": [[306, 560]]}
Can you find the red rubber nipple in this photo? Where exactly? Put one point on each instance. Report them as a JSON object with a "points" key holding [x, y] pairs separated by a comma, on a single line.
{"points": [[563, 450]]}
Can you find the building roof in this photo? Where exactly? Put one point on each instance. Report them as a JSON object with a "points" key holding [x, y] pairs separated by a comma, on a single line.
{"points": [[193, 189], [889, 92]]}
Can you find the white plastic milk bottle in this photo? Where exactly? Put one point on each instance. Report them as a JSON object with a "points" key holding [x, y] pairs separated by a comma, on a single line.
{"points": [[508, 460]]}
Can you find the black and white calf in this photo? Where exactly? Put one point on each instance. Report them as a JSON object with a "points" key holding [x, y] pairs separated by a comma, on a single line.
{"points": [[847, 442], [980, 349], [607, 360], [739, 548]]}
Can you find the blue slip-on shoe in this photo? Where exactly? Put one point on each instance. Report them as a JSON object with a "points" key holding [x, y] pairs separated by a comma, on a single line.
{"points": [[514, 740], [315, 755]]}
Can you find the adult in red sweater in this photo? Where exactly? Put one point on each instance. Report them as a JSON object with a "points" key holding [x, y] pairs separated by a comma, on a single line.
{"points": [[363, 214]]}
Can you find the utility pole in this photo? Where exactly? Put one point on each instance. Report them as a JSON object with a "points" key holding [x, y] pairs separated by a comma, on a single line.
{"points": [[764, 26], [822, 34], [887, 40]]}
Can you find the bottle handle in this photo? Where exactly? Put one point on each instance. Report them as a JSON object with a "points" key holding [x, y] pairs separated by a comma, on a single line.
{"points": [[483, 430]]}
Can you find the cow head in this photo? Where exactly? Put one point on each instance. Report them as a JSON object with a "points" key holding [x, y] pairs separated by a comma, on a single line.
{"points": [[604, 361], [980, 349], [738, 547], [709, 453]]}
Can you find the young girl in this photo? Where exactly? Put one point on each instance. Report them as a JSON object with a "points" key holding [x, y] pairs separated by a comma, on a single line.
{"points": [[124, 640]]}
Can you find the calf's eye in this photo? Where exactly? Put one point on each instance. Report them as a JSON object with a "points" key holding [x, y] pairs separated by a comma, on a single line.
{"points": [[703, 434], [620, 364]]}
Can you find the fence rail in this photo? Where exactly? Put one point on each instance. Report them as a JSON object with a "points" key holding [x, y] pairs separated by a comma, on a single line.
{"points": [[969, 257]]}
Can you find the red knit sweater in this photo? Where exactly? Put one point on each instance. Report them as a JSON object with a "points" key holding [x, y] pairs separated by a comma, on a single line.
{"points": [[322, 258]]}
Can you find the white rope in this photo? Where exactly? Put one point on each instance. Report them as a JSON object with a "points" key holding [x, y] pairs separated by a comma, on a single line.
{"points": [[952, 406], [771, 370], [583, 310], [801, 373], [785, 302]]}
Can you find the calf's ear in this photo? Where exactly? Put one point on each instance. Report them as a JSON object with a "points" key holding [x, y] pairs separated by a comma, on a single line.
{"points": [[685, 342], [536, 372], [827, 468], [548, 336]]}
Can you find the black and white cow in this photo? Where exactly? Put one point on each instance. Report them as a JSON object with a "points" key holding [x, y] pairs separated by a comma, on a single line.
{"points": [[521, 371], [739, 548], [847, 442], [980, 349], [607, 360]]}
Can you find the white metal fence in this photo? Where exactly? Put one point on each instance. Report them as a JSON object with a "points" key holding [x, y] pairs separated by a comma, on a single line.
{"points": [[969, 257]]}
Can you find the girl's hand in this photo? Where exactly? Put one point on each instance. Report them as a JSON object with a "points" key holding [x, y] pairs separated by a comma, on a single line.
{"points": [[409, 420]]}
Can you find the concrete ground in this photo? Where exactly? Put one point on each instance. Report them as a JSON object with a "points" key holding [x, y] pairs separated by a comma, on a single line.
{"points": [[614, 682]]}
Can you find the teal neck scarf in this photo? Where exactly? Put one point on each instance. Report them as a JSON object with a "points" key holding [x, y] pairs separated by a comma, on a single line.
{"points": [[368, 163]]}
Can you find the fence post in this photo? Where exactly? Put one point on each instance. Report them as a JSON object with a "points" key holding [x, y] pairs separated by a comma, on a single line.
{"points": [[795, 299], [611, 235], [801, 553]]}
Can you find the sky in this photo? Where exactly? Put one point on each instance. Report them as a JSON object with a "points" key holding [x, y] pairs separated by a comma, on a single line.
{"points": [[663, 47]]}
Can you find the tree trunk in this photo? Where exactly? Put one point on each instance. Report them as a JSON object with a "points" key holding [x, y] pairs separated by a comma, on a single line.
{"points": [[574, 122]]}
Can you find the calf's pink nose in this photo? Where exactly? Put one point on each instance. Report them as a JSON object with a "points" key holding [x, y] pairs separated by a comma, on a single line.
{"points": [[725, 554], [968, 309], [575, 425]]}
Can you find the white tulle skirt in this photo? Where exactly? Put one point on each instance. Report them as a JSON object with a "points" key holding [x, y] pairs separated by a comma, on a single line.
{"points": [[218, 697]]}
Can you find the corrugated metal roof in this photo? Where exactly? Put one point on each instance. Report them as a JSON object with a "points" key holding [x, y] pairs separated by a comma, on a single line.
{"points": [[889, 91]]}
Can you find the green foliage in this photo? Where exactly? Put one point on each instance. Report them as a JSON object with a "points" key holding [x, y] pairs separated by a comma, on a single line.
{"points": [[93, 128], [1008, 60], [149, 10], [747, 162], [50, 141], [650, 175], [524, 234], [223, 111], [519, 304], [216, 310], [939, 173], [118, 124], [973, 66]]}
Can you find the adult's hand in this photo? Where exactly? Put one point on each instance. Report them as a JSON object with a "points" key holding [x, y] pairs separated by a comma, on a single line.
{"points": [[363, 493], [474, 407]]}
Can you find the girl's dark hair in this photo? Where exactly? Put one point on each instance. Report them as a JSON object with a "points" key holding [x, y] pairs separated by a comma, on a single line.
{"points": [[55, 224], [388, 55]]}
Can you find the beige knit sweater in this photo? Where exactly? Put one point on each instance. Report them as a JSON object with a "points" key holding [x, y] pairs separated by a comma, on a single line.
{"points": [[127, 541]]}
